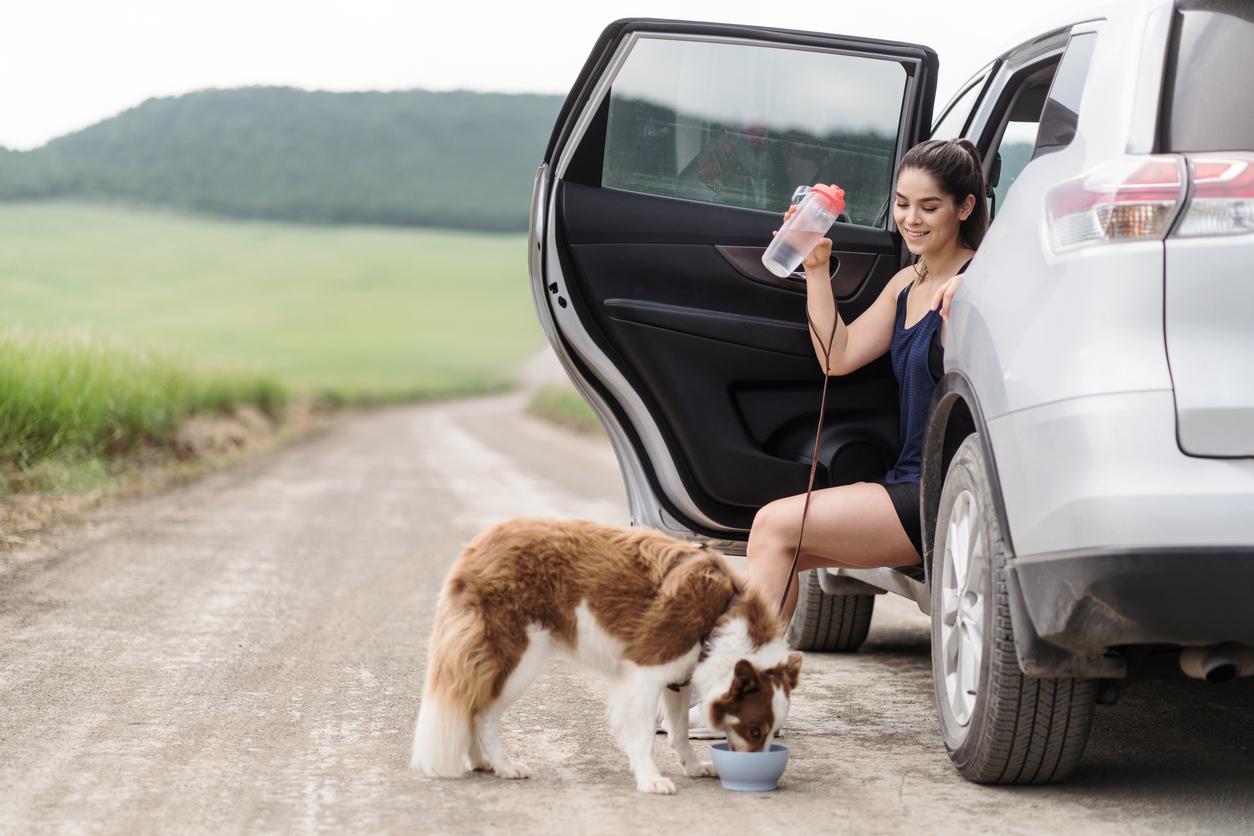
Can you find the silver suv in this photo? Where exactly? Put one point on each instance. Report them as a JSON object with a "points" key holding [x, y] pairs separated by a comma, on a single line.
{"points": [[1088, 473]]}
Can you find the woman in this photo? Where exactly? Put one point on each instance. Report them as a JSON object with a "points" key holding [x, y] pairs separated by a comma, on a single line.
{"points": [[939, 208]]}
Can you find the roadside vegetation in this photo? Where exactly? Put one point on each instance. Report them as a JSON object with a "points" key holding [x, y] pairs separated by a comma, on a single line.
{"points": [[81, 414], [135, 343], [565, 407]]}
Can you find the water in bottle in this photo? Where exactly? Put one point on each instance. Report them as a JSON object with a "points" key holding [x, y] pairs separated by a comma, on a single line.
{"points": [[799, 234]]}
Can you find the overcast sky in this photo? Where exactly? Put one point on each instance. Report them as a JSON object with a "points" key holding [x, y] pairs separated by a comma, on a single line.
{"points": [[65, 64]]}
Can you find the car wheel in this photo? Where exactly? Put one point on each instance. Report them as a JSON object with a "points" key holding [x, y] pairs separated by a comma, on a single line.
{"points": [[828, 622], [999, 726]]}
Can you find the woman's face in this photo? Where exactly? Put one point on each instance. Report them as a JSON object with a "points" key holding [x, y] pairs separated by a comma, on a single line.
{"points": [[927, 217]]}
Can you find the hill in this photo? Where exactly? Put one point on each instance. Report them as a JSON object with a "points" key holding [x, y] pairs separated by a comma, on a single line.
{"points": [[414, 158]]}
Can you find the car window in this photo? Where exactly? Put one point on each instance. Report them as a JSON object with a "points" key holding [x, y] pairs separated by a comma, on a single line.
{"points": [[954, 118], [1018, 137], [1206, 94], [743, 125], [1062, 108]]}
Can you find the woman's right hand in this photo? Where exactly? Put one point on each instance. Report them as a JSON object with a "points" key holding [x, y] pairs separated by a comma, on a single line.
{"points": [[820, 257]]}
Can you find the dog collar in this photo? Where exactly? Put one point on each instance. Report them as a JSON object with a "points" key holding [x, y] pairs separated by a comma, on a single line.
{"points": [[705, 645]]}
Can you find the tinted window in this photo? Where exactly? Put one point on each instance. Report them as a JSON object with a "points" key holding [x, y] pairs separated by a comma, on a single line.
{"points": [[744, 125], [1022, 124], [1062, 108], [1016, 152], [1209, 75], [955, 117]]}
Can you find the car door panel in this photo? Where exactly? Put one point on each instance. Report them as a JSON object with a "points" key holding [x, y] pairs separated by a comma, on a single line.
{"points": [[745, 398], [708, 354]]}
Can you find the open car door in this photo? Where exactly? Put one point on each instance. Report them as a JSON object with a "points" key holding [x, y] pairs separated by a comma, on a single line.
{"points": [[672, 160]]}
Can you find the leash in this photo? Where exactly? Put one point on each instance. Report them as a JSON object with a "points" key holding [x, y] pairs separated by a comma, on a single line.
{"points": [[818, 433]]}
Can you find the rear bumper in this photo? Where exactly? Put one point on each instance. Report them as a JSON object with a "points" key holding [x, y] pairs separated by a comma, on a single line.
{"points": [[1070, 608]]}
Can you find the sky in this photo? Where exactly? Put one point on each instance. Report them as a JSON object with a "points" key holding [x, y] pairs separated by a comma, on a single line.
{"points": [[66, 64]]}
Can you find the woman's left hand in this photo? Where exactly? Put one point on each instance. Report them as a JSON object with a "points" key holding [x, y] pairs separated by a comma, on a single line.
{"points": [[944, 294]]}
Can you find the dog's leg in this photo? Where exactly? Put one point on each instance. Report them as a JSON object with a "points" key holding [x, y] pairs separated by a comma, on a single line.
{"points": [[489, 744], [633, 716], [486, 751], [675, 704], [478, 760]]}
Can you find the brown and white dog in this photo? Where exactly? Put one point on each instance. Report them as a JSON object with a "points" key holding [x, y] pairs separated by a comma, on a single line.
{"points": [[646, 610]]}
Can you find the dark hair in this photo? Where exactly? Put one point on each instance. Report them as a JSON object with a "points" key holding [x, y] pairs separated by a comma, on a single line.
{"points": [[956, 165]]}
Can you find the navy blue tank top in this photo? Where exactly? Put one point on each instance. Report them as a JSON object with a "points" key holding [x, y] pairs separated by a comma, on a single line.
{"points": [[909, 355]]}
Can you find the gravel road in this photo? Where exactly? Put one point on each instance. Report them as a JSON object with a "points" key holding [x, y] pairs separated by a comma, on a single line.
{"points": [[244, 654]]}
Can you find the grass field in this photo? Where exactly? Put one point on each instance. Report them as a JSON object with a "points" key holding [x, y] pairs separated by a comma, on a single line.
{"points": [[364, 312]]}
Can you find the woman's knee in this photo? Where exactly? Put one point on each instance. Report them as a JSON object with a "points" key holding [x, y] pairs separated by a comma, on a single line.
{"points": [[772, 527]]}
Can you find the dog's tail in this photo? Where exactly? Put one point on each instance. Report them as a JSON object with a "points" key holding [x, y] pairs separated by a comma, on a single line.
{"points": [[444, 732]]}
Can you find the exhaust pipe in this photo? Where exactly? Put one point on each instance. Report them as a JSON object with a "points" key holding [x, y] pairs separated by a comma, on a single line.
{"points": [[1218, 663]]}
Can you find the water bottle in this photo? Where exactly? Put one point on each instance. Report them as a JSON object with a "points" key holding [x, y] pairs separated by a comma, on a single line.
{"points": [[796, 238]]}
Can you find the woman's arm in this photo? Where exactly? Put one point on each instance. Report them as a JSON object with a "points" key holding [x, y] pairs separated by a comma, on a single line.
{"points": [[853, 346]]}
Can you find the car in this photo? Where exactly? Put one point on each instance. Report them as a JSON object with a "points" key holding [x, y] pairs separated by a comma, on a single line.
{"points": [[1088, 472]]}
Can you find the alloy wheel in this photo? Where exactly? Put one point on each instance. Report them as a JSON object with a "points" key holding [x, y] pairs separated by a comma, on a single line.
{"points": [[963, 584]]}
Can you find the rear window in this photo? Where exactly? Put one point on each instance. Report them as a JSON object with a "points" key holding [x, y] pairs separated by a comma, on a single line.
{"points": [[743, 125], [1207, 105], [1062, 108]]}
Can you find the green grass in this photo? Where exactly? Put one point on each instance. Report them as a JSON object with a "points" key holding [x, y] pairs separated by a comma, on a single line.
{"points": [[563, 406], [369, 314], [70, 403], [117, 324]]}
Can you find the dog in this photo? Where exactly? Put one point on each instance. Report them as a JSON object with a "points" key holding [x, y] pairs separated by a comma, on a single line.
{"points": [[655, 615]]}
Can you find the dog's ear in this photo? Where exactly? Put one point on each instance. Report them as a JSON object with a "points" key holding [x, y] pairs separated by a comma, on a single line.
{"points": [[745, 679], [718, 711], [792, 669]]}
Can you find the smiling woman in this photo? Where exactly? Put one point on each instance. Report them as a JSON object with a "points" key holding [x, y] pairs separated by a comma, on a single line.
{"points": [[938, 207]]}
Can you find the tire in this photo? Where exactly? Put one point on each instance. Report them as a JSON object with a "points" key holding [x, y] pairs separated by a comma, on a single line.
{"points": [[828, 622], [1014, 729]]}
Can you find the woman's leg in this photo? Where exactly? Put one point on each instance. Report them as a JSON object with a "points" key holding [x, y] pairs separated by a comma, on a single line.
{"points": [[850, 525]]}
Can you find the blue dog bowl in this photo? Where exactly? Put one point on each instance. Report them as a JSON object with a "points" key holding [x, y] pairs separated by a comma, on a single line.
{"points": [[749, 771]]}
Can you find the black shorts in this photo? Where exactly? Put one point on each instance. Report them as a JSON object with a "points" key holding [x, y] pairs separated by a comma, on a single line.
{"points": [[906, 502]]}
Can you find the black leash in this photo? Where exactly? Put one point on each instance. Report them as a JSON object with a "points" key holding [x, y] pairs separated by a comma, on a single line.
{"points": [[818, 432]]}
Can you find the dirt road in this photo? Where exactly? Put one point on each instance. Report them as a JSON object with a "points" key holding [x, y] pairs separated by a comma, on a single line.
{"points": [[245, 654]]}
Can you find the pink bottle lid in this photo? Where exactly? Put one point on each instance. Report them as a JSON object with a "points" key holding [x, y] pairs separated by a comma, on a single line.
{"points": [[833, 196]]}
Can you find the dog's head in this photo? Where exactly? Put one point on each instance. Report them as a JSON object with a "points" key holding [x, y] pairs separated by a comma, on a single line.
{"points": [[756, 703]]}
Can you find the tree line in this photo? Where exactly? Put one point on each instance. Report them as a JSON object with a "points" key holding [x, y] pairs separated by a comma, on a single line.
{"points": [[415, 158]]}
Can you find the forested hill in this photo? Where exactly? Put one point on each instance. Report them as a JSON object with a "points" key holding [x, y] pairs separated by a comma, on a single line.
{"points": [[459, 159]]}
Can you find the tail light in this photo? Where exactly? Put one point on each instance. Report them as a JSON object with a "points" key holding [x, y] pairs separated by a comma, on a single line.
{"points": [[1139, 199], [1128, 199], [1222, 198]]}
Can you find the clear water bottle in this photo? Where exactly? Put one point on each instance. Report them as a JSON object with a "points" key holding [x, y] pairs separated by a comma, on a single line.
{"points": [[817, 211]]}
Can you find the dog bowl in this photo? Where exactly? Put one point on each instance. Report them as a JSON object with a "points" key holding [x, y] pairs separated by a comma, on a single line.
{"points": [[749, 771]]}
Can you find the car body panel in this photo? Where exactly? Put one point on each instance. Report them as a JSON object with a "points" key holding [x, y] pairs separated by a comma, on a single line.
{"points": [[1010, 324], [1210, 342], [1061, 364], [1105, 471]]}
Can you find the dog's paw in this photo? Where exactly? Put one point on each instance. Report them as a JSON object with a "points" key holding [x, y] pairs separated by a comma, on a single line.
{"points": [[699, 769], [513, 770], [657, 786]]}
